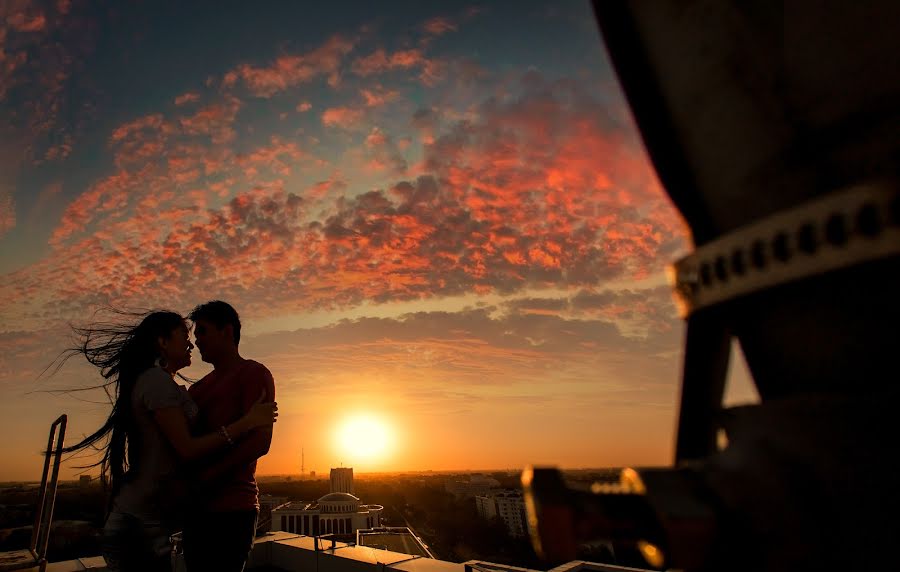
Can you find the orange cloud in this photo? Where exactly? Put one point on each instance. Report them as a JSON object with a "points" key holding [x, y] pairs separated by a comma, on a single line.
{"points": [[537, 190], [215, 120], [278, 157], [438, 26], [290, 70], [378, 96], [345, 117], [189, 97], [380, 61], [22, 22], [334, 185]]}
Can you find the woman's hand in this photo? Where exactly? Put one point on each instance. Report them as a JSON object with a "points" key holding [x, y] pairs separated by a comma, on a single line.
{"points": [[262, 414]]}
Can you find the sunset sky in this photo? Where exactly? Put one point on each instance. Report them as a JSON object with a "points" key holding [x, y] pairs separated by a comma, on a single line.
{"points": [[438, 217]]}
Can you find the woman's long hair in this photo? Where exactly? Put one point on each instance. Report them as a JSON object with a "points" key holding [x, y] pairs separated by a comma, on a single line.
{"points": [[122, 351]]}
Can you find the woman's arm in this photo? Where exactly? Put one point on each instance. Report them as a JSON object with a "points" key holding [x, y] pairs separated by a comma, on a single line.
{"points": [[174, 425]]}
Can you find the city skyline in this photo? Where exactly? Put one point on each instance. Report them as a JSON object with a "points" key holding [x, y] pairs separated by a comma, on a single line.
{"points": [[439, 219]]}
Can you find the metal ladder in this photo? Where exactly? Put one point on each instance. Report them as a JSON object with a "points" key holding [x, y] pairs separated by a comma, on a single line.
{"points": [[36, 554]]}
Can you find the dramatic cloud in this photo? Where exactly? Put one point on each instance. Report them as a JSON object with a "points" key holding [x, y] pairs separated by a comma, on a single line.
{"points": [[378, 96], [380, 62], [344, 117], [539, 190], [291, 70]]}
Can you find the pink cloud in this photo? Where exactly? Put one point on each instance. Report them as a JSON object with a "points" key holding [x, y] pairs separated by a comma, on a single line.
{"points": [[103, 197], [279, 156], [290, 70], [439, 26], [332, 186], [150, 122], [533, 191], [304, 106], [378, 96], [215, 120], [22, 22], [380, 61], [189, 97], [155, 155], [345, 117]]}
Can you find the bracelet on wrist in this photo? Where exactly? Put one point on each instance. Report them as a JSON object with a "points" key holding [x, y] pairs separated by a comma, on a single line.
{"points": [[224, 433]]}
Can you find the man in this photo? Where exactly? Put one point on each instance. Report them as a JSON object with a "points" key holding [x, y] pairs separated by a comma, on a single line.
{"points": [[219, 532]]}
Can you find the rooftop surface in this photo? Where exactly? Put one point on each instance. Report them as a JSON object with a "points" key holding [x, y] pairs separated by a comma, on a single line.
{"points": [[285, 552], [403, 542]]}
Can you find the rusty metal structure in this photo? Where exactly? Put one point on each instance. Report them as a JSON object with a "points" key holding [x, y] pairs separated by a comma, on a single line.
{"points": [[775, 129]]}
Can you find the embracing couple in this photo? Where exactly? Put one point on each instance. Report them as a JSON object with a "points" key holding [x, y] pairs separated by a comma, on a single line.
{"points": [[180, 459]]}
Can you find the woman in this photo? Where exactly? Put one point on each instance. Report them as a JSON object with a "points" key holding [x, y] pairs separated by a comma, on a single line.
{"points": [[148, 434]]}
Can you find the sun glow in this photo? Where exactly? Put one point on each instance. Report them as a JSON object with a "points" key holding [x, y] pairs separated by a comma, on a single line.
{"points": [[364, 437]]}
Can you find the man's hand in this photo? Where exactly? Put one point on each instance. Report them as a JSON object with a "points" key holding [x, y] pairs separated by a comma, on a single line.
{"points": [[262, 414]]}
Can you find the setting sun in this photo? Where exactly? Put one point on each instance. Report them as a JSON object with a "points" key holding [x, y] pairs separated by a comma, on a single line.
{"points": [[363, 437]]}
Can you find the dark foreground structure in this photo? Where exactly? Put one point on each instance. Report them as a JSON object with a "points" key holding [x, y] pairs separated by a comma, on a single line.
{"points": [[774, 128]]}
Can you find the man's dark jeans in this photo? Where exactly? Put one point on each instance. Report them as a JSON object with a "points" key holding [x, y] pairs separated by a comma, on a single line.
{"points": [[219, 541]]}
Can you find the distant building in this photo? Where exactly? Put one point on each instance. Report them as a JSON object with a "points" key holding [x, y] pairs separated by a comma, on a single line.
{"points": [[508, 505], [335, 513], [342, 480], [395, 539], [84, 481], [486, 507], [477, 485], [268, 503], [312, 474]]}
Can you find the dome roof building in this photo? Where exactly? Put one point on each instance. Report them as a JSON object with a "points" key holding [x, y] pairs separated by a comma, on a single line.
{"points": [[339, 512]]}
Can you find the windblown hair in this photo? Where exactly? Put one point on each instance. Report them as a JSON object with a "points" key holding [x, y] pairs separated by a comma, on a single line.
{"points": [[122, 351]]}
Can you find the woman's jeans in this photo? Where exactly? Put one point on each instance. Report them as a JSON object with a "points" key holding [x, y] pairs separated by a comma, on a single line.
{"points": [[134, 545]]}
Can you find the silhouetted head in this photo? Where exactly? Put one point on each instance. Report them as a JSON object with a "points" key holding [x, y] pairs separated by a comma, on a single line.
{"points": [[123, 351], [217, 330], [175, 347], [161, 338]]}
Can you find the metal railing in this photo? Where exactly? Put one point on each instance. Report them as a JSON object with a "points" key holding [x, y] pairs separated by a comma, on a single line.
{"points": [[36, 554], [43, 518]]}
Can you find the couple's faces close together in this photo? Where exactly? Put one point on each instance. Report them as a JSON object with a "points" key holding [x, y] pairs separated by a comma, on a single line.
{"points": [[176, 349]]}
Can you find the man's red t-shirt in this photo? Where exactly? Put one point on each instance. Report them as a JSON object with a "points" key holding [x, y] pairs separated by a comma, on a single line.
{"points": [[223, 399]]}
